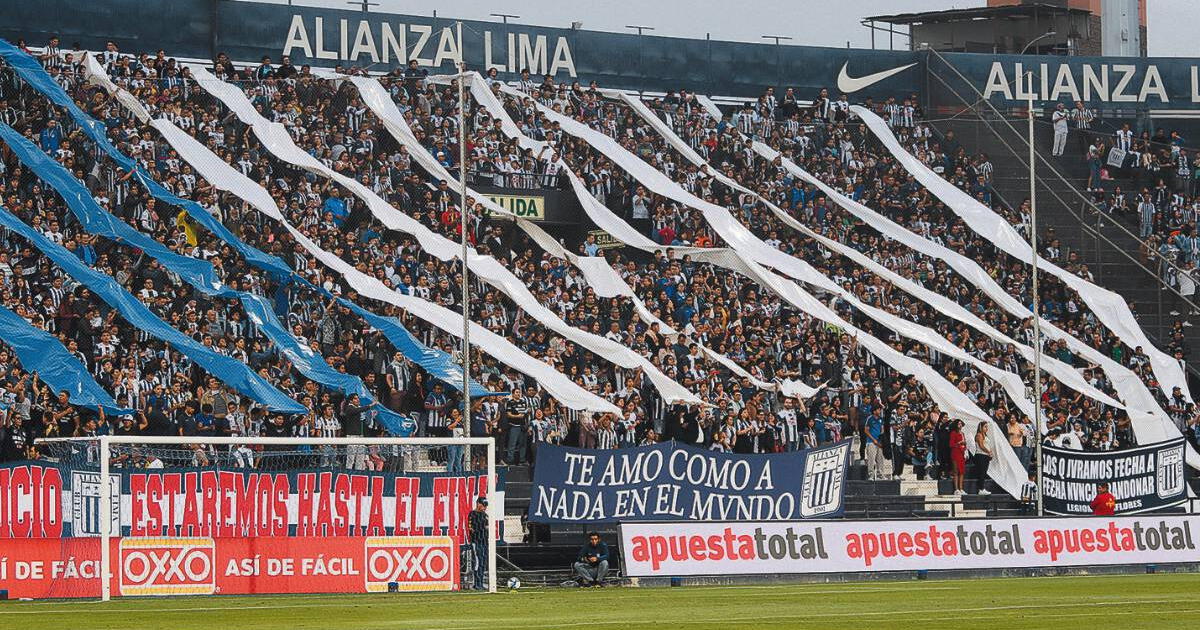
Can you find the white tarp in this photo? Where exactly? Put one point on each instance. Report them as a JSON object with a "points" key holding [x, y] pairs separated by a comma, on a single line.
{"points": [[1007, 471], [278, 142], [1063, 372], [96, 75], [1150, 423], [225, 177], [1110, 308], [596, 271], [1012, 383]]}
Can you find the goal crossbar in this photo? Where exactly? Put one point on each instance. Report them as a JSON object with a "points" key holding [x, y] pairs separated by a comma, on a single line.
{"points": [[494, 511]]}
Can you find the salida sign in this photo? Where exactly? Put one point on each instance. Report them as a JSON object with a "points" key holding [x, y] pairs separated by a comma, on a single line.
{"points": [[155, 566], [525, 206]]}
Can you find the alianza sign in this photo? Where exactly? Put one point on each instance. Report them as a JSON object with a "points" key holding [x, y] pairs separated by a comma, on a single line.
{"points": [[388, 42], [247, 31], [1091, 82]]}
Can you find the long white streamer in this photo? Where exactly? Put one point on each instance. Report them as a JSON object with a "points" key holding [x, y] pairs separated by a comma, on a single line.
{"points": [[596, 271], [276, 139], [1008, 471], [225, 177], [1108, 307]]}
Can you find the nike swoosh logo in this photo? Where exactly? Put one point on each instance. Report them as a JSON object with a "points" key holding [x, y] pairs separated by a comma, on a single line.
{"points": [[848, 84]]}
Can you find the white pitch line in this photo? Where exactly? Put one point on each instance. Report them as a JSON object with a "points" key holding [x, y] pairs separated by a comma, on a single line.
{"points": [[692, 621], [805, 617], [632, 593]]}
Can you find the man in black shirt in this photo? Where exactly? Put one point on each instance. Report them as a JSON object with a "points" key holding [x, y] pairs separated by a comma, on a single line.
{"points": [[276, 427], [64, 415], [413, 75], [352, 416], [592, 563], [516, 413], [477, 536], [13, 436]]}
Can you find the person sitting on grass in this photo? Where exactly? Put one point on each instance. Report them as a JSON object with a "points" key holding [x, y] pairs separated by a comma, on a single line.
{"points": [[592, 562]]}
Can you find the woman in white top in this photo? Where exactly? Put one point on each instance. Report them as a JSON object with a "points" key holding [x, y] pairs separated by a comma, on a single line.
{"points": [[981, 456]]}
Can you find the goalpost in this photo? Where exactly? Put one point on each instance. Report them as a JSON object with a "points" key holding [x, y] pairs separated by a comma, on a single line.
{"points": [[255, 515]]}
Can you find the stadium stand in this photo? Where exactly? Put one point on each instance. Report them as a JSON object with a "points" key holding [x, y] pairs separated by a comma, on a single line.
{"points": [[214, 246]]}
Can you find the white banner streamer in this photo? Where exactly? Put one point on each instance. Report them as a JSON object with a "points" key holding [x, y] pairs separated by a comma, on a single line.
{"points": [[225, 177], [1108, 307], [1007, 471], [596, 271], [276, 139]]}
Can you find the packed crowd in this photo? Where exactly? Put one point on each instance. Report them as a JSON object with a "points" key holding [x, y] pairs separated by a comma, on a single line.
{"points": [[1149, 182], [823, 140], [860, 396]]}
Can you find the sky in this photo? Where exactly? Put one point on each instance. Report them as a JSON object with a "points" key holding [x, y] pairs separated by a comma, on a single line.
{"points": [[1171, 23]]}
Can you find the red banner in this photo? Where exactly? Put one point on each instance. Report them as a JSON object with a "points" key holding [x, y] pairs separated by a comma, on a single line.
{"points": [[39, 568], [49, 500]]}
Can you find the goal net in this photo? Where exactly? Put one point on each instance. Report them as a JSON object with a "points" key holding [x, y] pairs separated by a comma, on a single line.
{"points": [[165, 516]]}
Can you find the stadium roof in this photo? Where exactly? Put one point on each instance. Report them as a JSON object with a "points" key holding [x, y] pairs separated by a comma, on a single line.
{"points": [[1018, 11]]}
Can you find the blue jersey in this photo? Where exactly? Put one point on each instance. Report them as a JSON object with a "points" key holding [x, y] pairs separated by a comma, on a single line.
{"points": [[874, 426]]}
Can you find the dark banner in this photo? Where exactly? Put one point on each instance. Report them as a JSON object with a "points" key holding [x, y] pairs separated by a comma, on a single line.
{"points": [[673, 482], [47, 500], [246, 31], [543, 205], [1142, 479], [1104, 83]]}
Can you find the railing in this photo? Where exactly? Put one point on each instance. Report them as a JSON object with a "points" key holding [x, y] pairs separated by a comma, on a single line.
{"points": [[990, 505], [526, 180]]}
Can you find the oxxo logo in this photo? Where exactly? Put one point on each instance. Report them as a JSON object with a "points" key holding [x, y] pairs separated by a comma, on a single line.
{"points": [[167, 566], [426, 563]]}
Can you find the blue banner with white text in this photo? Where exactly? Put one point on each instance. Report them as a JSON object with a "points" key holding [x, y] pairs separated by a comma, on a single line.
{"points": [[673, 482]]}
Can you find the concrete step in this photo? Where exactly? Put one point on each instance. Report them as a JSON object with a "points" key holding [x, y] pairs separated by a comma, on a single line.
{"points": [[915, 487]]}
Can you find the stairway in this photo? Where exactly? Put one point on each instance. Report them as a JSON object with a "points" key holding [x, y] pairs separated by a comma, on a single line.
{"points": [[1111, 254]]}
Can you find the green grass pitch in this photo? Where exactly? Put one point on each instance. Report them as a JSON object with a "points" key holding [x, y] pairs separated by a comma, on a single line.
{"points": [[1127, 602]]}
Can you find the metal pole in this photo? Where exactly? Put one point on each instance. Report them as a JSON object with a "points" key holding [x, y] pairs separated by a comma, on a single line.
{"points": [[492, 509], [105, 523], [1037, 324], [462, 191]]}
